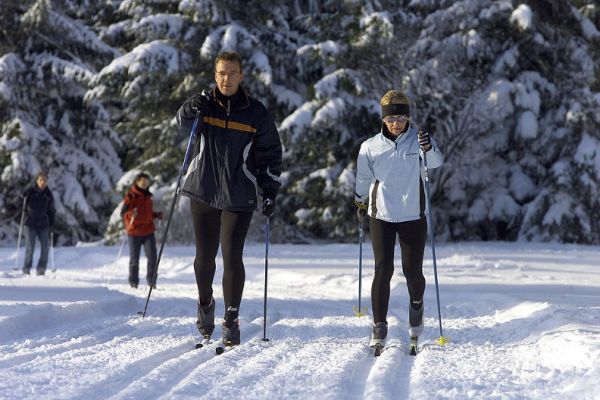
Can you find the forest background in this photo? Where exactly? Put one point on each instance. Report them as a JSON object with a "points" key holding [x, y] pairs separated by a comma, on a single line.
{"points": [[510, 90]]}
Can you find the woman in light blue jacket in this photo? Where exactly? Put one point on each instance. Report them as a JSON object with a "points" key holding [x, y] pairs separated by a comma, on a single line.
{"points": [[389, 189]]}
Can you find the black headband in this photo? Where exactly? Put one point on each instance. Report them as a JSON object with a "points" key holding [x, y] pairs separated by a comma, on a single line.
{"points": [[395, 109]]}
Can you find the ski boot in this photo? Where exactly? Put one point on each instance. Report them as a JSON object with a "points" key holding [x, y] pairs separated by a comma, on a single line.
{"points": [[415, 321], [231, 332], [206, 318], [378, 337]]}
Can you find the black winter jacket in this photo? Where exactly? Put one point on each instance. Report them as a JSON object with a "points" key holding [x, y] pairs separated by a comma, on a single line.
{"points": [[39, 207], [237, 153]]}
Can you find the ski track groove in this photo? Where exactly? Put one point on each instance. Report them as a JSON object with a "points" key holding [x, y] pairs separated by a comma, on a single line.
{"points": [[63, 345], [113, 385], [202, 365], [389, 375], [358, 372]]}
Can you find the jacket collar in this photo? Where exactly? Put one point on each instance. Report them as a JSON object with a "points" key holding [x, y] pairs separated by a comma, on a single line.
{"points": [[138, 190], [238, 101], [388, 135]]}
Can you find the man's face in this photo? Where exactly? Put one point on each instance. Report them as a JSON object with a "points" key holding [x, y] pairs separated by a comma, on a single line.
{"points": [[228, 76], [41, 182]]}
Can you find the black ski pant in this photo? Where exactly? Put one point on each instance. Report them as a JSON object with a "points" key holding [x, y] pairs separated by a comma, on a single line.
{"points": [[212, 226], [135, 247], [411, 236]]}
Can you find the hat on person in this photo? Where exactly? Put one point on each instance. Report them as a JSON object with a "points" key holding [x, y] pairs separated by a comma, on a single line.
{"points": [[394, 102]]}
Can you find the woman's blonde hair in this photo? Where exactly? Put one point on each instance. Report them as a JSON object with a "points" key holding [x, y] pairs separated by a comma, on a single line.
{"points": [[394, 97]]}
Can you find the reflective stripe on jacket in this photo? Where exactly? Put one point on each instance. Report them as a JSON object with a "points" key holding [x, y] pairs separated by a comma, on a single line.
{"points": [[237, 154], [388, 176]]}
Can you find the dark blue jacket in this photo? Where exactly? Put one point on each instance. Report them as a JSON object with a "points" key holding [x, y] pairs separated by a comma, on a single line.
{"points": [[39, 207], [237, 153]]}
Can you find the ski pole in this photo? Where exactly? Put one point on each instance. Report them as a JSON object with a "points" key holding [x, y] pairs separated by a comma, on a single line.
{"points": [[124, 239], [52, 268], [20, 232], [267, 234], [120, 248], [175, 197], [442, 340], [360, 311]]}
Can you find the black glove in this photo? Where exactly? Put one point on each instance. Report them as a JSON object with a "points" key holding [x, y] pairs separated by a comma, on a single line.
{"points": [[361, 210], [198, 103], [424, 141], [268, 205]]}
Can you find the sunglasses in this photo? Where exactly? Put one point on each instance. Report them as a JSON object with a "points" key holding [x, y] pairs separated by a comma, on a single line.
{"points": [[390, 119]]}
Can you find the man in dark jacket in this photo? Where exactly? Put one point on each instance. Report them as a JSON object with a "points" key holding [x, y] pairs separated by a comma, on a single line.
{"points": [[138, 216], [40, 212], [235, 170]]}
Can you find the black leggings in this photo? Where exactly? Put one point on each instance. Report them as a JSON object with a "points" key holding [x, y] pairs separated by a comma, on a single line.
{"points": [[412, 235], [212, 225]]}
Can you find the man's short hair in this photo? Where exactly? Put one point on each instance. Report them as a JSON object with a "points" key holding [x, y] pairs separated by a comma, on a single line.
{"points": [[41, 174], [231, 56]]}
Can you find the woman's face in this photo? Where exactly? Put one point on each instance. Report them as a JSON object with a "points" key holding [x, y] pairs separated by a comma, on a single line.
{"points": [[143, 183], [396, 123]]}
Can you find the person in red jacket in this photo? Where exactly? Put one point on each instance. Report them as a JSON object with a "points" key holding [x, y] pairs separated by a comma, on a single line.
{"points": [[138, 217]]}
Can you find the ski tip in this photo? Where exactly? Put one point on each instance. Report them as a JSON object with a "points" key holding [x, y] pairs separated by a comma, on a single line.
{"points": [[378, 349], [199, 346], [442, 340], [220, 350], [413, 349]]}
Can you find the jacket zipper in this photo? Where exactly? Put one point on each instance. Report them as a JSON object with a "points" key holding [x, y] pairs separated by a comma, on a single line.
{"points": [[228, 112], [221, 174]]}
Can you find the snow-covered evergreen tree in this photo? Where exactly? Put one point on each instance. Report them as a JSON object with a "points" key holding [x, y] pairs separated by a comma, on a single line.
{"points": [[506, 88], [510, 90], [45, 124]]}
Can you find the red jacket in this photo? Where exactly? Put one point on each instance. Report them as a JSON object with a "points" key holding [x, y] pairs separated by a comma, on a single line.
{"points": [[137, 212]]}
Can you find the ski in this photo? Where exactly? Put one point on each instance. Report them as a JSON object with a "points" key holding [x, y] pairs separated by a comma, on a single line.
{"points": [[413, 345], [221, 348], [205, 342], [378, 349]]}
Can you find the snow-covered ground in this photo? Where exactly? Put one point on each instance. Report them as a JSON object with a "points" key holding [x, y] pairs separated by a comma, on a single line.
{"points": [[523, 322]]}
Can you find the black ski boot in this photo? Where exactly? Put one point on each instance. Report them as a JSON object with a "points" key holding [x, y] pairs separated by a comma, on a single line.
{"points": [[379, 333], [378, 337], [415, 318], [231, 332], [206, 318]]}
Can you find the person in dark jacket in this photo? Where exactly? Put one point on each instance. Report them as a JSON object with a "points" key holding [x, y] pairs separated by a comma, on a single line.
{"points": [[234, 170], [40, 212], [138, 217]]}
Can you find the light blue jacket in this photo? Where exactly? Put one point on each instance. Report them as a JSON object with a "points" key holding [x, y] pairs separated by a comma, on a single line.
{"points": [[388, 175]]}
